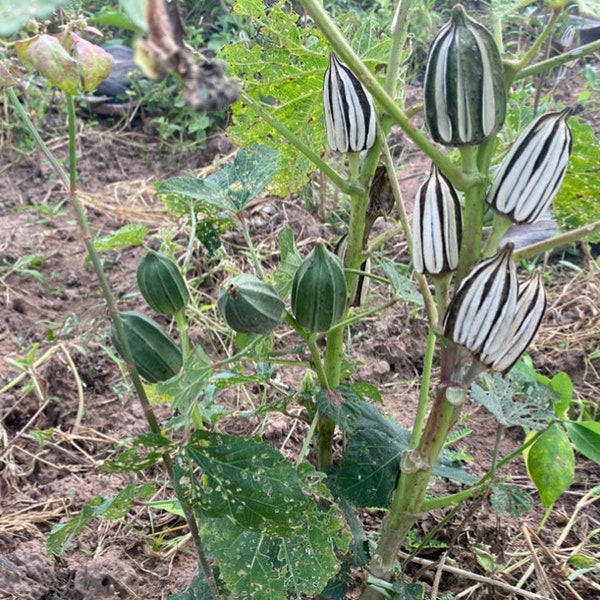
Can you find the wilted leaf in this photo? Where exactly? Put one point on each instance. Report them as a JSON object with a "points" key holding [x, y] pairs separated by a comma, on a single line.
{"points": [[52, 60], [94, 62], [551, 463]]}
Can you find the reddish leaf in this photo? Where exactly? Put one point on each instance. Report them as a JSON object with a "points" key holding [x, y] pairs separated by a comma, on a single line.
{"points": [[49, 57], [95, 63], [6, 79]]}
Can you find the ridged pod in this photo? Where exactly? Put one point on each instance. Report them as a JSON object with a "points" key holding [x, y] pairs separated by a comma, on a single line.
{"points": [[437, 226], [531, 173], [154, 353], [161, 283], [465, 88], [529, 311], [349, 110], [484, 304], [319, 291], [250, 305]]}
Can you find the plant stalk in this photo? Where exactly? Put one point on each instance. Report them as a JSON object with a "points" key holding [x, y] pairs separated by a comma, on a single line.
{"points": [[407, 504], [557, 61], [470, 250], [70, 182], [293, 139]]}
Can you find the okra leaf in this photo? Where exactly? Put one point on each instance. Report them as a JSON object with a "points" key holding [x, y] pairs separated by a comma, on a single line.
{"points": [[197, 590], [234, 185], [248, 481], [257, 565], [63, 534], [511, 499], [515, 401], [288, 264], [282, 69], [370, 467]]}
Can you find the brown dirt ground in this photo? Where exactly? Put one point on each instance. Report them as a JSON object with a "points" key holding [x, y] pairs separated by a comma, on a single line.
{"points": [[55, 307]]}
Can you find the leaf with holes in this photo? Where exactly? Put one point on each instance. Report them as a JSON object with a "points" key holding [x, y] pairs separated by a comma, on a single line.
{"points": [[515, 400], [248, 481], [234, 185], [282, 70], [256, 565], [189, 384], [197, 590]]}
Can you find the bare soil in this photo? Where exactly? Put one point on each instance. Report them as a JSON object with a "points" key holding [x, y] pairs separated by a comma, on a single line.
{"points": [[54, 339]]}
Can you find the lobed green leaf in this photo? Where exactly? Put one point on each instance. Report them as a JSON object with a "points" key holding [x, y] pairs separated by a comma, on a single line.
{"points": [[283, 71], [233, 186], [256, 565]]}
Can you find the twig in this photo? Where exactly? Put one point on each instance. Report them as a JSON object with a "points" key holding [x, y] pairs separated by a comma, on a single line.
{"points": [[487, 580], [591, 497], [80, 395], [26, 427], [438, 576], [542, 578]]}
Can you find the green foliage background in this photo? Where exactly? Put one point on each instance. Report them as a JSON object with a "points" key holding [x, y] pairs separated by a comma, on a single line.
{"points": [[283, 68]]}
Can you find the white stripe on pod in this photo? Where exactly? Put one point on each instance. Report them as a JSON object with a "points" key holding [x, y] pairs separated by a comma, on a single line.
{"points": [[437, 225], [349, 110], [464, 89], [529, 312], [484, 302], [443, 121], [531, 173]]}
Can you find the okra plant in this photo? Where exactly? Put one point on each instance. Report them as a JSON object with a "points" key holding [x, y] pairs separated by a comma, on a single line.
{"points": [[265, 527]]}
